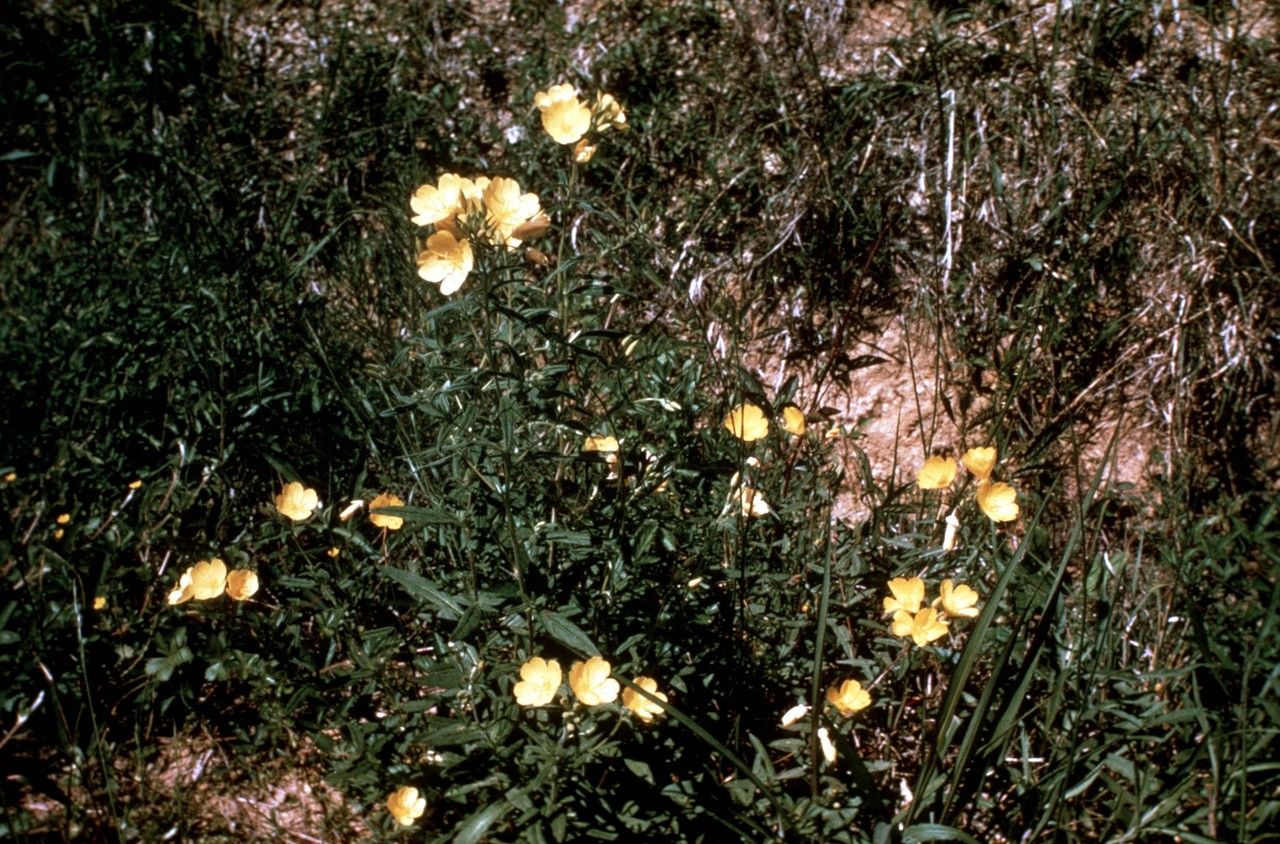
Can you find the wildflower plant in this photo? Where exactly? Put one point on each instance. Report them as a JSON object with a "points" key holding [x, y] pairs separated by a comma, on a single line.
{"points": [[605, 554]]}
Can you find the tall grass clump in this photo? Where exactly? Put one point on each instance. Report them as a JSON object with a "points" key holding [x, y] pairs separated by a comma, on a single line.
{"points": [[433, 422]]}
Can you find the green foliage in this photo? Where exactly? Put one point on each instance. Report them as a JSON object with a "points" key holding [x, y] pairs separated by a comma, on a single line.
{"points": [[208, 290]]}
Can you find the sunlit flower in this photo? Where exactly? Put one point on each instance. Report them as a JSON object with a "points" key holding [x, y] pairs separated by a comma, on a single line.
{"points": [[641, 706], [564, 116], [297, 501], [405, 805], [936, 473], [980, 461], [99, 603], [609, 113], [794, 714], [923, 627], [242, 584], [63, 519], [432, 204], [607, 447], [848, 697], [583, 151], [389, 522], [182, 592], [554, 94], [58, 533], [136, 484], [908, 595], [10, 477], [828, 746], [747, 422], [999, 501], [206, 579], [508, 209], [949, 535], [793, 420], [958, 600], [539, 682], [602, 443], [753, 503], [591, 682], [333, 552], [446, 261]]}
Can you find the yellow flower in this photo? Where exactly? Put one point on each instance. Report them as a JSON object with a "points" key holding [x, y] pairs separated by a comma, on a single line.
{"points": [[10, 477], [58, 532], [432, 204], [137, 484], [936, 473], [242, 584], [849, 697], [539, 682], [333, 553], [923, 627], [554, 94], [747, 422], [609, 113], [99, 603], [828, 747], [386, 499], [564, 116], [206, 579], [507, 209], [591, 682], [908, 595], [793, 420], [980, 461], [405, 805], [182, 592], [999, 501], [297, 501], [960, 600], [63, 519], [643, 708], [583, 151], [602, 443], [446, 261], [753, 503], [606, 446]]}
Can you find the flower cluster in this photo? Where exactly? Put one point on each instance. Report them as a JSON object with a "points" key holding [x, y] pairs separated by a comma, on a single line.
{"points": [[924, 625], [208, 579], [568, 120], [590, 682], [998, 501], [464, 211]]}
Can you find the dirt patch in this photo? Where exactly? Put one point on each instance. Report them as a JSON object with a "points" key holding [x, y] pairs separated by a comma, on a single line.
{"points": [[195, 787]]}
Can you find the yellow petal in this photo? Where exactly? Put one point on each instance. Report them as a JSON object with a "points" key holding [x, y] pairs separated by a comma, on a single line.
{"points": [[980, 461], [793, 420], [998, 500], [389, 522], [747, 422], [242, 584], [936, 473], [208, 579]]}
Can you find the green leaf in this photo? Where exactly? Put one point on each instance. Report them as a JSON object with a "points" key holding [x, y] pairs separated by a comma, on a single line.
{"points": [[424, 590], [568, 634], [419, 515], [473, 828], [935, 832]]}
